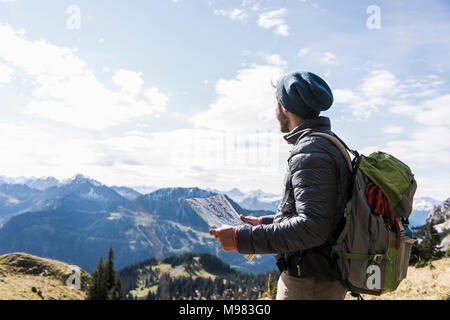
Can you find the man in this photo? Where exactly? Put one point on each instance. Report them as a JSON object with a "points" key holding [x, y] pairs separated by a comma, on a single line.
{"points": [[308, 219]]}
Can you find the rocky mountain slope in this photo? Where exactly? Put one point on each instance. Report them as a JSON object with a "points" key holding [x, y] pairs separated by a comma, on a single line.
{"points": [[18, 198], [440, 216], [254, 200], [421, 208]]}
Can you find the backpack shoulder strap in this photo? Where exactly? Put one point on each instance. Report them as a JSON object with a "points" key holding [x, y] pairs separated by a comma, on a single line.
{"points": [[339, 145], [336, 141]]}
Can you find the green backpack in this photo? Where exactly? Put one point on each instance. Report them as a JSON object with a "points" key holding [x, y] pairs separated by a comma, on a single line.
{"points": [[374, 246]]}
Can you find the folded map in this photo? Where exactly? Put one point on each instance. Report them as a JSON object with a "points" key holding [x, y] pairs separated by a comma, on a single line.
{"points": [[217, 212]]}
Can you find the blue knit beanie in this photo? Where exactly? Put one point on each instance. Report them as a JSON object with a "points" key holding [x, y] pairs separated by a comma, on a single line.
{"points": [[304, 94]]}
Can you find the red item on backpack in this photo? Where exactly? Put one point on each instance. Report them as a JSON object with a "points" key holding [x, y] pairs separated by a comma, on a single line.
{"points": [[381, 206]]}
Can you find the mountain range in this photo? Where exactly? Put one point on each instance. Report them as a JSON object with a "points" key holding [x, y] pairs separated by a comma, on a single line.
{"points": [[78, 219], [252, 200]]}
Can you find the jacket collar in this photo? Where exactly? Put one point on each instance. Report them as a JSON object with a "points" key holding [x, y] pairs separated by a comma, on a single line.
{"points": [[316, 124]]}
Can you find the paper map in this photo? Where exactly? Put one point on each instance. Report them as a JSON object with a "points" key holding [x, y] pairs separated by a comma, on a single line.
{"points": [[217, 212]]}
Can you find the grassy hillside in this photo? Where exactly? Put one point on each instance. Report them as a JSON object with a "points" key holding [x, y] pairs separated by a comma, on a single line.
{"points": [[27, 277], [428, 283]]}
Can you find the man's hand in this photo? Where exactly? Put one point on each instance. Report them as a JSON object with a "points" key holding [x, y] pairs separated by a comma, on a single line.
{"points": [[254, 221], [225, 237]]}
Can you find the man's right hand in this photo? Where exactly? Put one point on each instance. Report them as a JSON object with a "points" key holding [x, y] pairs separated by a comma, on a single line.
{"points": [[254, 221]]}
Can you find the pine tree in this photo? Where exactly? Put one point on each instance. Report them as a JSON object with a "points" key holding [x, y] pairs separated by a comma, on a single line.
{"points": [[163, 292], [115, 292], [98, 289], [105, 283], [271, 287], [111, 274], [416, 254], [429, 245], [113, 280]]}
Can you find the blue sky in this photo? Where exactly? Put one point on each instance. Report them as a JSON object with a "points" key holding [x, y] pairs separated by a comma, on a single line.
{"points": [[177, 93]]}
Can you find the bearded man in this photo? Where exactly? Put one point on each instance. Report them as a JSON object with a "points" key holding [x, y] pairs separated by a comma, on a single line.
{"points": [[308, 219]]}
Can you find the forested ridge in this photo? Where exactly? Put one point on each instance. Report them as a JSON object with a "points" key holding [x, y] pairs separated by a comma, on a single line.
{"points": [[193, 276]]}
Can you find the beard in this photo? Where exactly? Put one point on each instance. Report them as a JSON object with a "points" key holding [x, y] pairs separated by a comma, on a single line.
{"points": [[283, 120]]}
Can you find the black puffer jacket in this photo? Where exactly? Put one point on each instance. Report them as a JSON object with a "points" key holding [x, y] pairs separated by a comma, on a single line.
{"points": [[317, 191]]}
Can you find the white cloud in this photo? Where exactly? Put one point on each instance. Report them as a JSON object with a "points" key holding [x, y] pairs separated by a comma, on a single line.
{"points": [[393, 129], [303, 52], [273, 19], [328, 59], [6, 74], [379, 83], [435, 112], [130, 83], [156, 98], [234, 15], [255, 5], [375, 91], [344, 96], [404, 109], [425, 146], [34, 151], [434, 185], [276, 60], [245, 102], [205, 157], [382, 89], [67, 91]]}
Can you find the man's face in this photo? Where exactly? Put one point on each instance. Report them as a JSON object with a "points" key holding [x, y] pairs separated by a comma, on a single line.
{"points": [[282, 118]]}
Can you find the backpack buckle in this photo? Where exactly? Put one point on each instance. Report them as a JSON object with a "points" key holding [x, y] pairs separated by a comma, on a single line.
{"points": [[299, 273], [378, 258]]}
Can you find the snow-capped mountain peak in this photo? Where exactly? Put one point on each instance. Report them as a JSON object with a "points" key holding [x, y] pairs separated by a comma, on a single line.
{"points": [[79, 179], [92, 195], [424, 203], [440, 212]]}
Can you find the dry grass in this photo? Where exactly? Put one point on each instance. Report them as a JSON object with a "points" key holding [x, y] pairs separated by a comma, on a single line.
{"points": [[428, 283], [26, 277]]}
